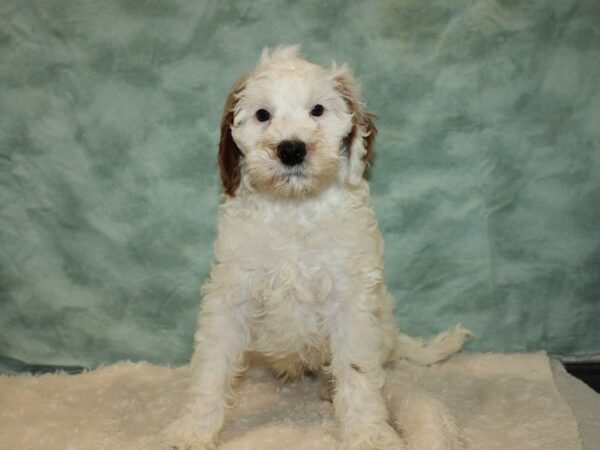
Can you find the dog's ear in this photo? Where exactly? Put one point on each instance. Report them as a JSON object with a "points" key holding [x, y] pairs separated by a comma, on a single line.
{"points": [[360, 142], [229, 153]]}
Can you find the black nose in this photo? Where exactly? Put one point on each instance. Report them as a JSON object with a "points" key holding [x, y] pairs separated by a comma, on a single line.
{"points": [[291, 152]]}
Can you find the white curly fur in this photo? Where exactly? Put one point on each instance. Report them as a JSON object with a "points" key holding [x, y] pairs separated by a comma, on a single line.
{"points": [[298, 275]]}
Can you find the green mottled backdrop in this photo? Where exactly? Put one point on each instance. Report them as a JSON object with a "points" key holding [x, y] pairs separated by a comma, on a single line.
{"points": [[486, 181]]}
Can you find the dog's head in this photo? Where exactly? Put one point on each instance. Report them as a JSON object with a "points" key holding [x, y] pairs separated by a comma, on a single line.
{"points": [[291, 128]]}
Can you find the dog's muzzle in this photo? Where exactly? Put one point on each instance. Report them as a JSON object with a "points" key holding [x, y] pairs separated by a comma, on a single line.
{"points": [[291, 153]]}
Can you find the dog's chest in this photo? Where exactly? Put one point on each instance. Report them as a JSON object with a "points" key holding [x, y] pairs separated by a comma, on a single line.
{"points": [[293, 291], [291, 307], [292, 275], [293, 267]]}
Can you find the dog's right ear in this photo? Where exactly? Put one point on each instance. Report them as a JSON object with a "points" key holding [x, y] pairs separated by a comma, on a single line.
{"points": [[229, 153]]}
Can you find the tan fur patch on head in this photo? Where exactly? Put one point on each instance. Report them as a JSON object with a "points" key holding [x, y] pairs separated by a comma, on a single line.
{"points": [[356, 367]]}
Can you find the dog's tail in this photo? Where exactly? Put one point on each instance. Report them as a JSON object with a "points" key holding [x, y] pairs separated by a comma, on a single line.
{"points": [[438, 348]]}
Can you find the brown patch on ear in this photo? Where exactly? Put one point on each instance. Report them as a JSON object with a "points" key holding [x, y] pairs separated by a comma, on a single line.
{"points": [[369, 140], [365, 121], [361, 120], [229, 153]]}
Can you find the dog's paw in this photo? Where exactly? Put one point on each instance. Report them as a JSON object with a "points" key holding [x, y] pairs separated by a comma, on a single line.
{"points": [[382, 437], [186, 434]]}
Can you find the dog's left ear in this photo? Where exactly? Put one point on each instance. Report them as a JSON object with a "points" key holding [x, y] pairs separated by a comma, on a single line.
{"points": [[360, 142], [229, 153]]}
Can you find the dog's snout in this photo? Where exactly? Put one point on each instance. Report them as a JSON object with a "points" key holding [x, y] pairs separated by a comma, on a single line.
{"points": [[291, 153]]}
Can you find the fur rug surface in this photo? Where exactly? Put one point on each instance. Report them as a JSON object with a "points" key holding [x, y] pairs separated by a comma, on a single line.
{"points": [[498, 402]]}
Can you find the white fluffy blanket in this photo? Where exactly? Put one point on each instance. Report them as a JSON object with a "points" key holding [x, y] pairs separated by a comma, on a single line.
{"points": [[498, 401]]}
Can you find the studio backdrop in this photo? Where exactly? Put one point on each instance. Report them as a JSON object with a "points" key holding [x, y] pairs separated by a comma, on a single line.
{"points": [[486, 180]]}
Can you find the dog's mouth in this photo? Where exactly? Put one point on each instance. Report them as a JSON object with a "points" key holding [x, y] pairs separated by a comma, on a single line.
{"points": [[294, 172]]}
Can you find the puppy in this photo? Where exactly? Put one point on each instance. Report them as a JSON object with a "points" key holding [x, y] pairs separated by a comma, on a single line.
{"points": [[298, 274]]}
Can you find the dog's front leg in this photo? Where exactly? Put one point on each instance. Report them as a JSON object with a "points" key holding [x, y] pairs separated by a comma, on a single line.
{"points": [[356, 346], [220, 344]]}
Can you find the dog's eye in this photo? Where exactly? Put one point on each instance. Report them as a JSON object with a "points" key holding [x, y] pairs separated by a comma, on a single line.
{"points": [[263, 115], [317, 111]]}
